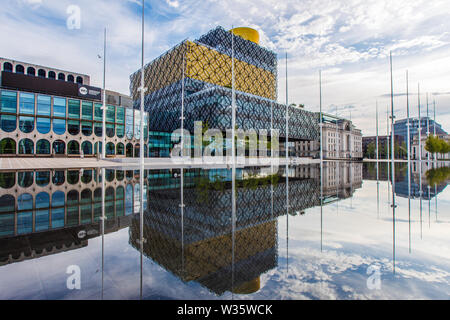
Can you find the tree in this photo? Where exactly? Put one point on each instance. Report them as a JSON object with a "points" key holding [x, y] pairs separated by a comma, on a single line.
{"points": [[370, 151], [433, 145]]}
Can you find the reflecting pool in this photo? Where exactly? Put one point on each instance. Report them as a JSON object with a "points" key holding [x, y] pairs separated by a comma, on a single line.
{"points": [[352, 232]]}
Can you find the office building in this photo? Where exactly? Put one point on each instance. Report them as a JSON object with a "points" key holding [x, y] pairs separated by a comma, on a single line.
{"points": [[49, 112]]}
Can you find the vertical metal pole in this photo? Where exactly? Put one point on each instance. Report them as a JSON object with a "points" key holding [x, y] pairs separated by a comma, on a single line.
{"points": [[287, 170], [320, 116], [420, 126], [420, 156], [434, 127], [104, 100], [321, 160], [392, 123], [287, 116], [141, 226], [387, 154], [408, 141], [233, 172], [182, 110], [141, 153], [103, 218], [428, 126], [376, 139], [408, 124]]}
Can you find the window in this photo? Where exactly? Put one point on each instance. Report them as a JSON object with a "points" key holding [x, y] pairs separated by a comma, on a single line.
{"points": [[7, 67], [59, 126], [98, 113], [61, 76], [25, 179], [26, 124], [110, 114], [120, 131], [43, 105], [7, 146], [20, 69], [87, 174], [26, 103], [51, 75], [43, 147], [8, 123], [73, 147], [70, 78], [145, 126], [73, 127], [26, 146], [86, 128], [59, 147], [120, 118], [74, 109], [41, 73], [98, 129], [73, 176], [86, 206], [42, 211], [7, 179], [42, 178], [86, 147], [86, 110], [58, 204], [110, 149], [31, 71], [25, 216], [129, 150], [98, 147], [137, 124], [137, 150], [7, 210], [110, 130], [8, 101], [129, 123], [59, 107], [79, 80], [120, 149], [43, 125]]}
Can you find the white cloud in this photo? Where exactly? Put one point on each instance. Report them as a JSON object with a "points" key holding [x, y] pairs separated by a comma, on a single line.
{"points": [[352, 36]]}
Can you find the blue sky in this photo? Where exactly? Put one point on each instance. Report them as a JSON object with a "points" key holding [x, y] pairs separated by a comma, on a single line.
{"points": [[348, 39]]}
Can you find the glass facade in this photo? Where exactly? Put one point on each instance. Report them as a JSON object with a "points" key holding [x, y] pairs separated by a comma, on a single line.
{"points": [[33, 113], [26, 103]]}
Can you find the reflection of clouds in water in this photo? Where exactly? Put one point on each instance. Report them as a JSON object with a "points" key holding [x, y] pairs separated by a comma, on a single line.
{"points": [[341, 275]]}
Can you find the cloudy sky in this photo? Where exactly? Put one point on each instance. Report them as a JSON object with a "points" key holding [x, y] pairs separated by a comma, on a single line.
{"points": [[349, 40]]}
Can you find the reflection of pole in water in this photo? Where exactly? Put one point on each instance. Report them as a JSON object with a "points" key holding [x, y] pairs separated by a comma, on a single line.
{"points": [[182, 217], [141, 226], [103, 218], [429, 205], [387, 154], [321, 206], [287, 219], [420, 195], [392, 163], [435, 201], [408, 137]]}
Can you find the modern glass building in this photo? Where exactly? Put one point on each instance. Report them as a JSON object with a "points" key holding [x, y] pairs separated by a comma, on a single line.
{"points": [[203, 68], [400, 127], [44, 116]]}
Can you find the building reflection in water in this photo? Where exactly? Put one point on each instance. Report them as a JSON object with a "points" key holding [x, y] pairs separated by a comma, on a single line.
{"points": [[422, 185], [47, 212]]}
